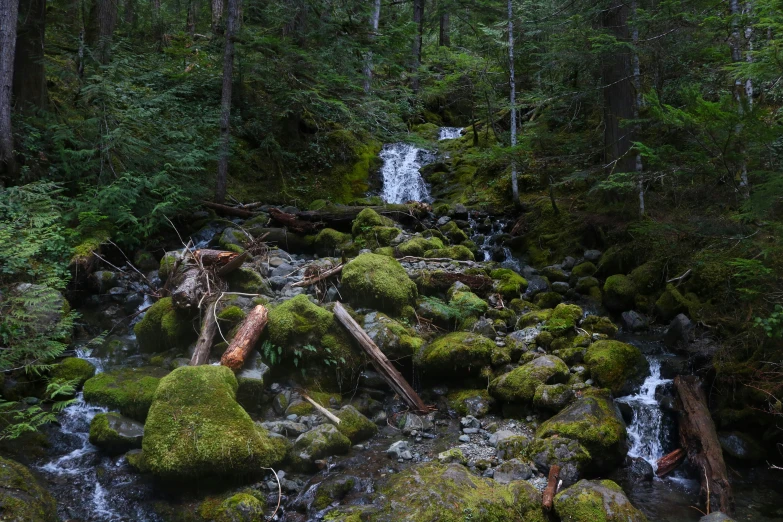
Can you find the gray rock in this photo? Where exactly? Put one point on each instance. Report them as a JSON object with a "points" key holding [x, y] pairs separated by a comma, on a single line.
{"points": [[634, 321], [443, 220], [535, 285], [464, 438], [718, 516], [568, 263], [398, 449], [553, 397], [592, 255], [470, 422], [571, 456], [680, 331], [470, 431], [286, 427], [741, 447], [589, 494], [282, 270], [485, 327], [118, 435], [640, 470], [413, 422], [500, 436], [513, 469], [561, 287]]}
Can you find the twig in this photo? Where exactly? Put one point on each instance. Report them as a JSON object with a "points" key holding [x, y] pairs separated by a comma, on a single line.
{"points": [[680, 278], [321, 276], [279, 493], [323, 411]]}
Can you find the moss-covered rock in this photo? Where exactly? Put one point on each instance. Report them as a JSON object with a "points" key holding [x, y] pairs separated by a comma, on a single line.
{"points": [[599, 324], [619, 293], [564, 319], [73, 369], [245, 506], [367, 219], [231, 315], [450, 493], [246, 280], [115, 434], [331, 242], [379, 282], [457, 252], [378, 237], [585, 269], [671, 303], [129, 390], [519, 385], [534, 318], [616, 365], [548, 299], [354, 425], [321, 442], [394, 339], [167, 263], [647, 277], [467, 304], [456, 353], [416, 246], [508, 283], [617, 259], [471, 402], [233, 240], [585, 285], [332, 489], [164, 327], [595, 422], [197, 429], [553, 397], [453, 232], [572, 457], [22, 499], [596, 501]]}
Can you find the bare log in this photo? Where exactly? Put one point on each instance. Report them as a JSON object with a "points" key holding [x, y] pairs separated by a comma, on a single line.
{"points": [[229, 211], [700, 441], [204, 343], [245, 339], [320, 277], [669, 463], [293, 223], [323, 411], [379, 360], [232, 265], [189, 290], [551, 487], [411, 259], [210, 257], [341, 218]]}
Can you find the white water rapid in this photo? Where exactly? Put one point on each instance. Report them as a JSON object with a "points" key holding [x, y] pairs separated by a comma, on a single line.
{"points": [[402, 180], [449, 133]]}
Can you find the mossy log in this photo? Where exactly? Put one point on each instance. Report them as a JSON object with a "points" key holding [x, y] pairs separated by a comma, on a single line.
{"points": [[293, 223], [230, 211], [700, 440], [341, 218], [245, 339], [442, 281]]}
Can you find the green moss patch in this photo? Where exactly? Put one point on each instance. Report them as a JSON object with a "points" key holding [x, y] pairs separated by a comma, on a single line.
{"points": [[457, 351], [73, 369], [164, 327], [508, 283], [22, 499], [379, 282], [129, 390], [519, 385], [615, 365], [596, 501]]}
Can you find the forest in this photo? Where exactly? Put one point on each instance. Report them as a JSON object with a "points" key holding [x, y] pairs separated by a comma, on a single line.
{"points": [[391, 260]]}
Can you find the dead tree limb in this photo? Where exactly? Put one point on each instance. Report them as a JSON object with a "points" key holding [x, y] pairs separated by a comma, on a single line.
{"points": [[189, 290], [320, 409], [551, 487], [379, 360], [232, 265], [669, 463], [293, 223], [700, 441], [210, 257], [230, 211], [204, 343], [320, 277], [245, 339]]}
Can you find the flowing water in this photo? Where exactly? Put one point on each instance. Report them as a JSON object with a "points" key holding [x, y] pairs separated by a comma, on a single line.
{"points": [[402, 180], [449, 133]]}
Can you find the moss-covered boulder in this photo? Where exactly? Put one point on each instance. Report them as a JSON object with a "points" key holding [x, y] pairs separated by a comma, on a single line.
{"points": [[22, 499], [585, 269], [457, 252], [596, 501], [195, 428], [73, 369], [354, 425], [331, 242], [647, 277], [450, 493], [453, 232], [553, 397], [619, 293], [548, 299], [233, 240], [164, 327], [595, 422], [564, 319], [395, 340], [599, 324], [456, 354], [470, 402], [672, 303], [519, 385], [616, 365], [416, 246], [115, 434], [379, 282], [319, 443], [572, 457], [617, 259], [508, 283], [246, 506], [534, 318], [367, 219], [247, 280], [467, 304], [129, 390]]}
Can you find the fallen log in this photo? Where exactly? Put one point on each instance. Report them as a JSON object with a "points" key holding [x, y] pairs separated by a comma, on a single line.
{"points": [[230, 211], [294, 224], [700, 441], [669, 463], [320, 277], [189, 290], [341, 218], [412, 259], [379, 360], [442, 281], [245, 339], [204, 343], [232, 265], [210, 257], [551, 487]]}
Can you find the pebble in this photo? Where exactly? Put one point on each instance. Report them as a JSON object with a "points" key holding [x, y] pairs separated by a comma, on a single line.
{"points": [[470, 431], [464, 438]]}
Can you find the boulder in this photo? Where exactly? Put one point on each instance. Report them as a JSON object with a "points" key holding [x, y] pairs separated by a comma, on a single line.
{"points": [[639, 470], [571, 456], [718, 516], [508, 283], [471, 402], [741, 447], [247, 506], [250, 393], [634, 321], [115, 434], [73, 369], [164, 327], [616, 365], [564, 319], [457, 252], [196, 429], [354, 425], [596, 501], [512, 470], [519, 385], [319, 443], [22, 499], [553, 397], [367, 219], [455, 353], [416, 246], [394, 339], [129, 390], [599, 324], [619, 293], [680, 331], [379, 282]]}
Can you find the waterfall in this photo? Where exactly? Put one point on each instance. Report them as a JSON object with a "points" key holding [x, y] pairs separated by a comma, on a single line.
{"points": [[647, 432], [402, 180], [449, 133]]}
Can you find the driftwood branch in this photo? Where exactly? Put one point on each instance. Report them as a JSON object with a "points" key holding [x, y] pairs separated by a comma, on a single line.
{"points": [[680, 279], [670, 462], [232, 265], [381, 363], [323, 411], [245, 339], [230, 211], [320, 277], [189, 289], [204, 343], [551, 487]]}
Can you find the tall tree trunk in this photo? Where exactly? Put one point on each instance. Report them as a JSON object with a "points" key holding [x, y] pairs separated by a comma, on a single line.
{"points": [[190, 23], [217, 16], [129, 16], [157, 23], [418, 20], [102, 20], [232, 25], [444, 38], [618, 92], [513, 103], [29, 74], [9, 13], [374, 23], [637, 85], [743, 91]]}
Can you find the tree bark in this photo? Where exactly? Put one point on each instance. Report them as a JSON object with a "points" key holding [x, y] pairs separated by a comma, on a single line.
{"points": [[103, 20], [29, 74], [637, 86], [204, 343], [374, 23], [190, 23], [444, 37], [743, 91], [245, 339], [618, 92], [189, 290], [700, 441], [513, 103], [217, 16], [669, 462], [379, 360], [232, 25], [551, 487], [9, 13], [418, 20]]}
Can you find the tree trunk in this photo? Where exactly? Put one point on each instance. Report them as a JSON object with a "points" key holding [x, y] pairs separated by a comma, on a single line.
{"points": [[418, 20], [374, 23], [29, 74], [232, 25], [189, 290], [107, 20], [444, 38], [743, 91], [204, 343], [637, 85], [513, 103], [698, 437], [217, 16], [669, 462], [245, 339], [9, 13], [190, 23], [618, 92]]}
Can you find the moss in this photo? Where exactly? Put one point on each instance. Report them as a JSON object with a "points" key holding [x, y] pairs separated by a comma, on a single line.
{"points": [[22, 499], [241, 507], [418, 245], [379, 282], [519, 385], [321, 442], [367, 219], [599, 324], [129, 390], [452, 455], [332, 489], [548, 299], [588, 501], [392, 337], [453, 232], [330, 241], [246, 280], [457, 252], [508, 283], [457, 400], [585, 285], [585, 269], [615, 365], [354, 425], [564, 319], [617, 259], [672, 302], [233, 240], [196, 428], [104, 433], [82, 253], [457, 351], [167, 263], [619, 293], [647, 277], [164, 327], [533, 318], [73, 369], [467, 304]]}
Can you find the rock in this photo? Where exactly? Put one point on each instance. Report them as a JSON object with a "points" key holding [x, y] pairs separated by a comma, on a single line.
{"points": [[616, 365], [411, 422], [102, 281], [486, 327], [535, 285], [22, 499], [471, 402], [511, 470], [634, 321], [563, 319], [395, 340], [741, 447], [456, 353], [553, 397], [561, 287], [164, 327], [416, 246], [464, 438], [399, 450], [594, 421], [250, 379], [332, 490], [619, 293], [196, 429], [379, 282], [568, 263], [571, 456], [452, 455], [450, 492], [286, 428], [130, 390], [554, 273], [585, 269], [354, 425], [457, 252], [599, 324], [718, 516], [319, 443], [73, 369], [242, 507], [513, 446], [671, 303], [519, 385], [592, 255], [247, 280], [585, 285], [680, 331], [331, 242], [508, 283], [640, 470], [591, 501], [115, 434], [233, 240], [470, 422], [548, 299]]}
